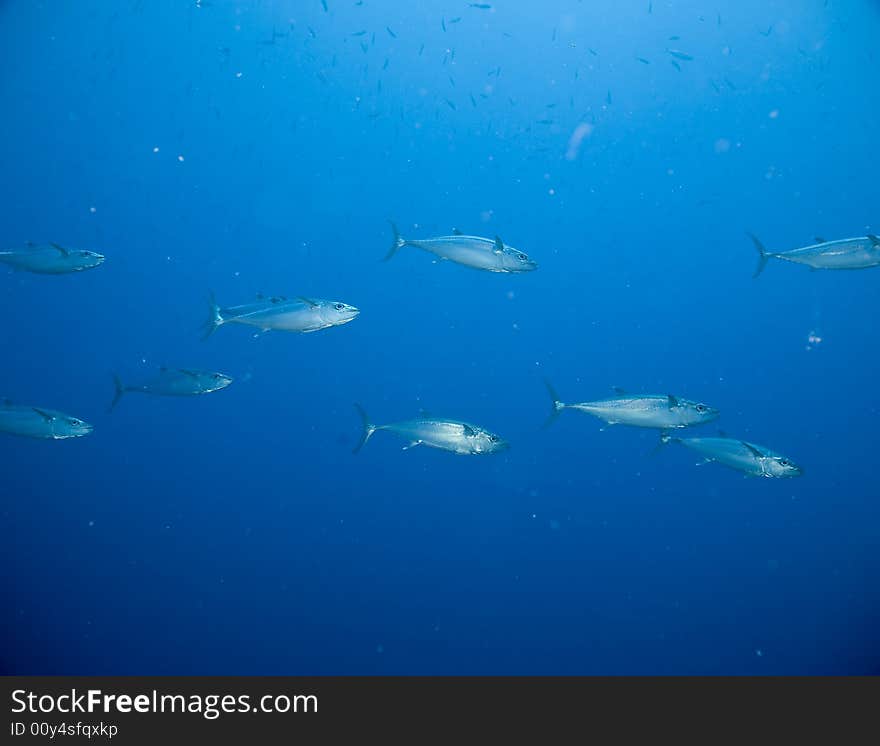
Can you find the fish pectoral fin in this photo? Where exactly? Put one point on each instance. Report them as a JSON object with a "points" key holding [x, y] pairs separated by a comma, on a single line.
{"points": [[673, 401], [64, 252], [412, 445], [754, 451], [819, 239], [307, 301], [457, 232], [618, 390], [705, 461], [499, 245]]}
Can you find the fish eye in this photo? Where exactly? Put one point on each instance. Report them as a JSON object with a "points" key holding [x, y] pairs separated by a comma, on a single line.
{"points": [[784, 462], [340, 306], [493, 438], [523, 258], [84, 253], [701, 407]]}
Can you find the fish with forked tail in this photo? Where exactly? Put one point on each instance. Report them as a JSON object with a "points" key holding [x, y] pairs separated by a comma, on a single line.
{"points": [[51, 260], [300, 314], [748, 458], [661, 411], [174, 382], [490, 255], [38, 422], [844, 253], [454, 436]]}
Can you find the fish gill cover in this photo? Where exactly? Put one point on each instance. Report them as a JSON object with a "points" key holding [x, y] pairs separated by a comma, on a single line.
{"points": [[255, 152]]}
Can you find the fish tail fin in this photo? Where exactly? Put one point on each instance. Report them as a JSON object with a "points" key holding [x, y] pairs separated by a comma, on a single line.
{"points": [[215, 320], [763, 256], [369, 428], [397, 244], [558, 406], [117, 394]]}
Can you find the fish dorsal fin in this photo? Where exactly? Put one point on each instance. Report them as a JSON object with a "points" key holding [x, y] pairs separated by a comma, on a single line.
{"points": [[307, 301], [874, 240], [754, 451], [819, 239], [673, 401], [457, 232], [469, 431], [260, 296], [619, 391], [30, 244], [723, 433], [499, 245], [45, 415], [277, 299], [64, 251]]}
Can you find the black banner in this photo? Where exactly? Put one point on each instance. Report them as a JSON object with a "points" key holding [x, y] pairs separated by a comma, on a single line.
{"points": [[151, 710]]}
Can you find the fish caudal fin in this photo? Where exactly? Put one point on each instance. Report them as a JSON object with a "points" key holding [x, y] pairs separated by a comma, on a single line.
{"points": [[215, 320], [763, 256], [117, 395], [369, 428], [558, 406], [397, 244]]}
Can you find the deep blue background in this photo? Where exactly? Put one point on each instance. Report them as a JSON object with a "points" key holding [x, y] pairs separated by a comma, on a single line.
{"points": [[236, 533]]}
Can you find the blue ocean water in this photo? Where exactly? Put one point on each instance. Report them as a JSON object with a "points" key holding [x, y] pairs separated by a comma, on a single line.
{"points": [[262, 147]]}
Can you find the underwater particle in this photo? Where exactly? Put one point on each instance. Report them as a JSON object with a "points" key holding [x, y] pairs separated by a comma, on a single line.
{"points": [[93, 210], [759, 653], [380, 649], [554, 525], [722, 145], [91, 524], [773, 114], [551, 191], [156, 149], [510, 295], [180, 159]]}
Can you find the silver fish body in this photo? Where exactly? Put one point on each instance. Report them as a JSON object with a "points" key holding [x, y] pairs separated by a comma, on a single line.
{"points": [[302, 315], [51, 260], [659, 411], [748, 458], [845, 253], [490, 255], [37, 422], [454, 436], [175, 382]]}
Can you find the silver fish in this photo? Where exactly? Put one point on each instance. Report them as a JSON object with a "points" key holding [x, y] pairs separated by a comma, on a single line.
{"points": [[472, 251], [845, 253], [51, 260], [300, 314], [174, 382], [751, 459], [37, 422], [448, 435], [661, 411]]}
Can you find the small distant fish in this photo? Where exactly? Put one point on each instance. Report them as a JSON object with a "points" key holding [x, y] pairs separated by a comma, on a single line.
{"points": [[481, 6], [37, 422], [385, 66], [473, 100], [674, 38], [845, 253], [51, 260], [391, 33], [643, 60], [455, 20], [675, 65], [767, 32], [449, 104], [660, 411], [312, 32], [454, 436], [650, 8], [443, 24], [545, 121], [680, 55], [608, 98], [174, 382], [359, 33], [301, 314], [324, 5], [715, 86], [730, 84], [748, 458], [452, 81], [491, 255], [592, 51]]}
